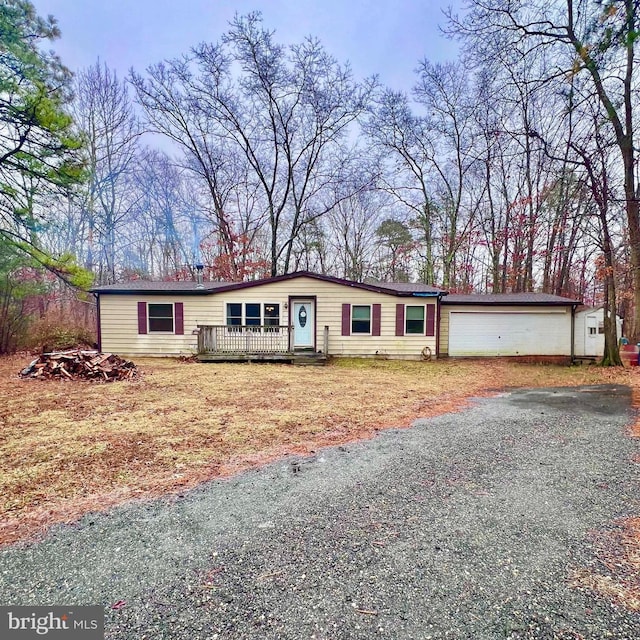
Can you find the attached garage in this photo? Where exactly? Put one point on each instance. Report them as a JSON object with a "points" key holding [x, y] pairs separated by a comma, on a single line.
{"points": [[506, 325]]}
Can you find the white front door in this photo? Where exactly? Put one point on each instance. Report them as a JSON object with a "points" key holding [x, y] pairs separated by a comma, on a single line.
{"points": [[303, 320]]}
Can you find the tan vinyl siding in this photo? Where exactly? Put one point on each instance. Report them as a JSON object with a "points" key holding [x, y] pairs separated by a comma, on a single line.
{"points": [[119, 320], [119, 325], [563, 313], [329, 300]]}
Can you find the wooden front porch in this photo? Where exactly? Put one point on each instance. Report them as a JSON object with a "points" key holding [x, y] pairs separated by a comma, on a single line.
{"points": [[255, 343]]}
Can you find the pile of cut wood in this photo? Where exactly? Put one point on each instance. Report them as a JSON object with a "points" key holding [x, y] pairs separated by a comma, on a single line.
{"points": [[81, 365]]}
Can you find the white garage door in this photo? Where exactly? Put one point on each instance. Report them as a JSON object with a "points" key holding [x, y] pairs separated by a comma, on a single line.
{"points": [[509, 334]]}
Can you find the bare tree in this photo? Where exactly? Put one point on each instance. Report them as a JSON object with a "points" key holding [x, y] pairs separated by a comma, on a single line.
{"points": [[587, 37], [104, 114], [286, 111], [406, 150], [431, 162], [169, 96], [443, 90], [593, 151], [157, 237], [351, 235]]}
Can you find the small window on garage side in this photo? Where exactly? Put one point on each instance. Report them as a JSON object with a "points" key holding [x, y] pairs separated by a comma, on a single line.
{"points": [[160, 318], [592, 331], [414, 320], [360, 318]]}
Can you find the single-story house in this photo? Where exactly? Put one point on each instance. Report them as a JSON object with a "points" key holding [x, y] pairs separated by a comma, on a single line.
{"points": [[589, 331], [308, 313]]}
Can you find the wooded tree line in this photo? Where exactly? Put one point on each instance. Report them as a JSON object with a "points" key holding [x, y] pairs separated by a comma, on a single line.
{"points": [[511, 169]]}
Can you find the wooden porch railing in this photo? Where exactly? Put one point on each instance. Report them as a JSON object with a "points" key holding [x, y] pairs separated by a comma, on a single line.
{"points": [[244, 339]]}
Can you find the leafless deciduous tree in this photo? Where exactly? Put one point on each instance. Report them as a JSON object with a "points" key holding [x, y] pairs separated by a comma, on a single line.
{"points": [[589, 38], [286, 112], [351, 233], [428, 162], [105, 115]]}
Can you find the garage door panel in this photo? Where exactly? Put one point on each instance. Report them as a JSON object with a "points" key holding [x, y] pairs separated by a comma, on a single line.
{"points": [[508, 334]]}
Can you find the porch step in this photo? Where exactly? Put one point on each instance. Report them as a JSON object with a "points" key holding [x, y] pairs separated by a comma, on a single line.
{"points": [[304, 359], [310, 360]]}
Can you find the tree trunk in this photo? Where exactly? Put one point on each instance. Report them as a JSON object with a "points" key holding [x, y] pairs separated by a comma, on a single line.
{"points": [[633, 222], [611, 356]]}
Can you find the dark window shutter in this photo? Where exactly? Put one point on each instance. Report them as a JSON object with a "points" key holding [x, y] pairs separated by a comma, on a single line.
{"points": [[179, 312], [399, 319], [375, 322], [142, 317], [431, 319], [346, 319]]}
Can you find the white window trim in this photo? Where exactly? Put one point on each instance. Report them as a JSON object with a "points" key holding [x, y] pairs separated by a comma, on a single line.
{"points": [[243, 314], [424, 320], [263, 317], [225, 317], [361, 333], [173, 317]]}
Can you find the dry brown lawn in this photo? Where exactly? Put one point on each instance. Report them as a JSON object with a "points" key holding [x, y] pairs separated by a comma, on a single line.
{"points": [[67, 448]]}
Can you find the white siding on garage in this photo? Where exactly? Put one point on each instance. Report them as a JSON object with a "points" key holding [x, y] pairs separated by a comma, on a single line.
{"points": [[533, 332], [588, 339]]}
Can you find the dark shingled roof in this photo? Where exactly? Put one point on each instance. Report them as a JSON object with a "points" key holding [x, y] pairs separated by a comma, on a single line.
{"points": [[404, 289], [159, 287], [208, 288], [409, 287], [508, 299]]}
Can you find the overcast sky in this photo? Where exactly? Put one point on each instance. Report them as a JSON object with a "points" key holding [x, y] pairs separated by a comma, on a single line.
{"points": [[387, 37]]}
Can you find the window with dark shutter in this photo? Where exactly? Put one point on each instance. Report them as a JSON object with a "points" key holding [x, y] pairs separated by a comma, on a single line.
{"points": [[414, 320], [142, 317], [376, 320], [346, 319]]}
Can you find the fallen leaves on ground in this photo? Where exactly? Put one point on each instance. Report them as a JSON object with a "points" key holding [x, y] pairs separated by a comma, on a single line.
{"points": [[68, 448], [617, 554]]}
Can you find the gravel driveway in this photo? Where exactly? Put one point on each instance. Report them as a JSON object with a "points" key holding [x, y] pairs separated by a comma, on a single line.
{"points": [[465, 526]]}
